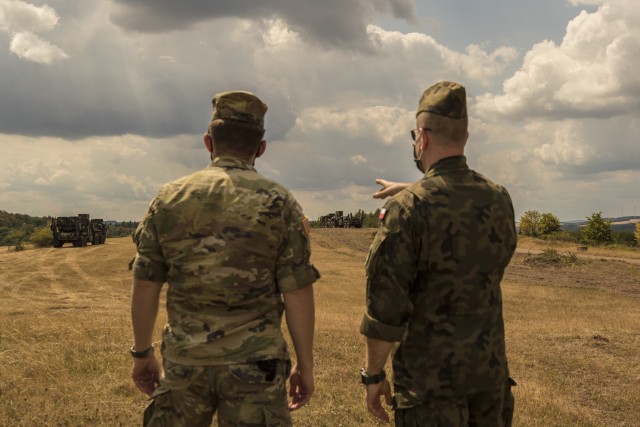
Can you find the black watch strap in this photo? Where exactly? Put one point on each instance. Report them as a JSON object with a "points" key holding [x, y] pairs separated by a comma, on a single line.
{"points": [[141, 354], [368, 379]]}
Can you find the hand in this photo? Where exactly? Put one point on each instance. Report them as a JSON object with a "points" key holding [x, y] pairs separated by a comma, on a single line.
{"points": [[146, 373], [389, 188], [372, 396], [300, 387]]}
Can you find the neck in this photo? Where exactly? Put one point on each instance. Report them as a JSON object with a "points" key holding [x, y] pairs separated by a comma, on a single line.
{"points": [[432, 157]]}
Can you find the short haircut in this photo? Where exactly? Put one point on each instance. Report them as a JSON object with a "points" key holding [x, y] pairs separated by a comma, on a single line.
{"points": [[446, 128], [236, 138]]}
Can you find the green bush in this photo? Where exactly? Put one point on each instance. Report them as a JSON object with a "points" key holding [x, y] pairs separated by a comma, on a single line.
{"points": [[42, 237], [551, 257]]}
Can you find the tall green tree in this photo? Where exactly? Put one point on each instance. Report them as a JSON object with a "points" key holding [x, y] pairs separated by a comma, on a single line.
{"points": [[529, 223], [549, 224], [597, 229]]}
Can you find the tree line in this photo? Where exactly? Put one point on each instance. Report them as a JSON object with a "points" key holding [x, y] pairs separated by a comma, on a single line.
{"points": [[595, 231], [17, 229]]}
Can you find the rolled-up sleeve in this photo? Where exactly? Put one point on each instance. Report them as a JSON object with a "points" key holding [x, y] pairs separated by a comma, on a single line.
{"points": [[149, 263], [293, 267], [391, 271]]}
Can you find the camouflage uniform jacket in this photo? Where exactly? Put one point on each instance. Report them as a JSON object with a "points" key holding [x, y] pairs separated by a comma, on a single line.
{"points": [[433, 283], [228, 241]]}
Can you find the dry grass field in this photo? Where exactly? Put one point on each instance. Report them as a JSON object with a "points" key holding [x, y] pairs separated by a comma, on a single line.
{"points": [[573, 337]]}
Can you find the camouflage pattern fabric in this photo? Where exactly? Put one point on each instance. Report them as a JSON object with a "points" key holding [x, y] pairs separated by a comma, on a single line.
{"points": [[239, 105], [243, 395], [447, 99], [482, 409], [228, 241], [433, 283]]}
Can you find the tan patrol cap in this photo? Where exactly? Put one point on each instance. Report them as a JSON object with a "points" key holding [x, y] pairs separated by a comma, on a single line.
{"points": [[239, 105], [447, 99]]}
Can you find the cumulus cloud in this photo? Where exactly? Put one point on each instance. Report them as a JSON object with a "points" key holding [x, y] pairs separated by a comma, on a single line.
{"points": [[592, 73], [23, 20], [335, 23], [17, 15], [565, 147], [475, 63], [51, 176], [33, 48]]}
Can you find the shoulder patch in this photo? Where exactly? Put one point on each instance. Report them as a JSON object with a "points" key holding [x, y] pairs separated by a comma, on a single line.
{"points": [[383, 212]]}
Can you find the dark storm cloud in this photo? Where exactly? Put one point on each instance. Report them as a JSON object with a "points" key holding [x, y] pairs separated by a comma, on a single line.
{"points": [[336, 23]]}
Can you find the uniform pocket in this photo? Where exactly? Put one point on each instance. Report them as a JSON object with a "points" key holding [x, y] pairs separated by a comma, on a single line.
{"points": [[177, 377]]}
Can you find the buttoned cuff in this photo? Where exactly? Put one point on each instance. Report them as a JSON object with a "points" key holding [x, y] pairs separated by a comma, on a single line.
{"points": [[375, 329]]}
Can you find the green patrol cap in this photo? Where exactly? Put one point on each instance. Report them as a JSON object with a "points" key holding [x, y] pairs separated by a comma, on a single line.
{"points": [[447, 99], [239, 105]]}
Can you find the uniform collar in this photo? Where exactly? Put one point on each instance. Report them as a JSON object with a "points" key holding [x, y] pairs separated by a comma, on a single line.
{"points": [[231, 163], [448, 164]]}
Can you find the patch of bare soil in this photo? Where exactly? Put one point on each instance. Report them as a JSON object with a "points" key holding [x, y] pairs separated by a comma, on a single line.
{"points": [[606, 274]]}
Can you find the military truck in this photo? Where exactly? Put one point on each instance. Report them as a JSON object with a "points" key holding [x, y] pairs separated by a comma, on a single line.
{"points": [[99, 231], [339, 220], [78, 230]]}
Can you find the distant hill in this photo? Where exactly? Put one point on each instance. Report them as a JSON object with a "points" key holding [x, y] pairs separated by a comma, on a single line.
{"points": [[623, 223]]}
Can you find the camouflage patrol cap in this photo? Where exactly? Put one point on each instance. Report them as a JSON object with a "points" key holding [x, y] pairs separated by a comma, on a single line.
{"points": [[447, 99], [239, 105]]}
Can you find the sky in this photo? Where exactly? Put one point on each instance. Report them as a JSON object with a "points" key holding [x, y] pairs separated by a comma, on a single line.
{"points": [[101, 102]]}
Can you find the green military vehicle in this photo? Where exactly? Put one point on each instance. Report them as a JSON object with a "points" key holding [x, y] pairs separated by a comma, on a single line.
{"points": [[78, 230], [99, 229], [339, 220]]}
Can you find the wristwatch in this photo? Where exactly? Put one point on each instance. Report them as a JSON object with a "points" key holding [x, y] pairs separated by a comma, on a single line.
{"points": [[141, 354], [368, 379]]}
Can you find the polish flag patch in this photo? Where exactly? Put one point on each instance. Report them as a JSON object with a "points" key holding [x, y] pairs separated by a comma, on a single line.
{"points": [[383, 212]]}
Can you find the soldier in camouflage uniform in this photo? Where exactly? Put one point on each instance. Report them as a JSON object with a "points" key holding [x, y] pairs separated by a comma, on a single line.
{"points": [[232, 247], [433, 283]]}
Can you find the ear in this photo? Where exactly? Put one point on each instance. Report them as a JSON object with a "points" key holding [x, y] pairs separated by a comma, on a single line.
{"points": [[261, 148], [424, 140], [208, 142]]}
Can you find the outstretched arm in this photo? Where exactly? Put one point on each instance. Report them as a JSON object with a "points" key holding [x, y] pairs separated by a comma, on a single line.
{"points": [[389, 188], [300, 315]]}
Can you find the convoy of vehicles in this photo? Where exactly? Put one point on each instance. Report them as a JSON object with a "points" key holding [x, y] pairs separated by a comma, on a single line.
{"points": [[339, 220], [79, 230]]}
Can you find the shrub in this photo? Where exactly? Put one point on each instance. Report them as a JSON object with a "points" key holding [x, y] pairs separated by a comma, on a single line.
{"points": [[42, 237], [551, 257]]}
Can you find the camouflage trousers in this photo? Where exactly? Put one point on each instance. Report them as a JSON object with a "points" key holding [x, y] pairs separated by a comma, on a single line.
{"points": [[493, 408], [244, 395]]}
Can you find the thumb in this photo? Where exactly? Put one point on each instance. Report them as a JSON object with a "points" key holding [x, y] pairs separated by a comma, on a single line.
{"points": [[387, 396]]}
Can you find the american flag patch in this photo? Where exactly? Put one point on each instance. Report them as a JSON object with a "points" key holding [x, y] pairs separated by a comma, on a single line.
{"points": [[383, 212]]}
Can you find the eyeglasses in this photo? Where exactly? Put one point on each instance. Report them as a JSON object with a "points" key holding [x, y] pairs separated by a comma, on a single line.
{"points": [[413, 133]]}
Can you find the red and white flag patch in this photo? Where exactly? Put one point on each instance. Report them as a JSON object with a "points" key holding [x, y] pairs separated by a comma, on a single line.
{"points": [[383, 212]]}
